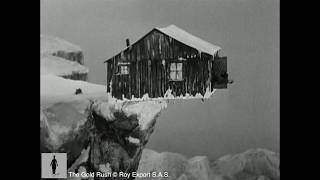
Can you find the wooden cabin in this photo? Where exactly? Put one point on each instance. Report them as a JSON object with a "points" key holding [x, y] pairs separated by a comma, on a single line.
{"points": [[166, 58]]}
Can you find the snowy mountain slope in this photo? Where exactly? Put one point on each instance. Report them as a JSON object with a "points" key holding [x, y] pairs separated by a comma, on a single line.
{"points": [[50, 44], [54, 89], [60, 67], [51, 85], [61, 58]]}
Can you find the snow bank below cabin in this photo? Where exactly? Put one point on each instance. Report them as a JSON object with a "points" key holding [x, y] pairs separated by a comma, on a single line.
{"points": [[169, 96]]}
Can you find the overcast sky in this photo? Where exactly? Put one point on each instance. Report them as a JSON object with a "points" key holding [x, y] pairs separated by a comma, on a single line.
{"points": [[246, 115]]}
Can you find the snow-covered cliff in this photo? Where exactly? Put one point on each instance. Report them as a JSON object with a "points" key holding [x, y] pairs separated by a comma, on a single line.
{"points": [[97, 132], [115, 132]]}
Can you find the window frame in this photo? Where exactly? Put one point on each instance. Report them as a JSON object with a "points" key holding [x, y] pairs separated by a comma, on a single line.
{"points": [[176, 71], [123, 69]]}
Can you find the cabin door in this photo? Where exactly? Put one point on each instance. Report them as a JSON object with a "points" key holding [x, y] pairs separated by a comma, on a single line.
{"points": [[219, 75]]}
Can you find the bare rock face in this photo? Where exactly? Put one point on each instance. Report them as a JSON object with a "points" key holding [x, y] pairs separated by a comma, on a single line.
{"points": [[103, 137]]}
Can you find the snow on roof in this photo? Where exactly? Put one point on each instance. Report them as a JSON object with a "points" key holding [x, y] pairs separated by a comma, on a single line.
{"points": [[50, 44], [60, 67], [186, 38], [189, 39]]}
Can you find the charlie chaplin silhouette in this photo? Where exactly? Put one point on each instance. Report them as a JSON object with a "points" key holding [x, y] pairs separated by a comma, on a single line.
{"points": [[54, 165]]}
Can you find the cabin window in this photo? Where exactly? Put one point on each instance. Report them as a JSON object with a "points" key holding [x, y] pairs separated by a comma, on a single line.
{"points": [[176, 71], [123, 70]]}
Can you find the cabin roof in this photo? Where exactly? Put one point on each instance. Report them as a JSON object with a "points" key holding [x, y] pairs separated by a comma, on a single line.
{"points": [[189, 39], [186, 38]]}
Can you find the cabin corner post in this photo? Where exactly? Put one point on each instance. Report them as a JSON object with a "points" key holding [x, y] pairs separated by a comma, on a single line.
{"points": [[106, 67], [210, 73]]}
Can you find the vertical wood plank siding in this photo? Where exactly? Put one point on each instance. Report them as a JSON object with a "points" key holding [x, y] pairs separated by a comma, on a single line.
{"points": [[149, 68]]}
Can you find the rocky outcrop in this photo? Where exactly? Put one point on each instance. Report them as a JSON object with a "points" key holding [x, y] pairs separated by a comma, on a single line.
{"points": [[99, 136]]}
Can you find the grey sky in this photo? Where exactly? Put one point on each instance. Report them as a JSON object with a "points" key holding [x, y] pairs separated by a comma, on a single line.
{"points": [[246, 115]]}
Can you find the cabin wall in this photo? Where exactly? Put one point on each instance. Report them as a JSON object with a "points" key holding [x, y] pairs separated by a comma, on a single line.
{"points": [[149, 69]]}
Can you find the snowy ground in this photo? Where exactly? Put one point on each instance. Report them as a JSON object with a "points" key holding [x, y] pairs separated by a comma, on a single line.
{"points": [[55, 89]]}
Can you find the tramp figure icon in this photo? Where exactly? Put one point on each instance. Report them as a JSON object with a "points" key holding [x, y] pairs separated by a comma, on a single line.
{"points": [[54, 165]]}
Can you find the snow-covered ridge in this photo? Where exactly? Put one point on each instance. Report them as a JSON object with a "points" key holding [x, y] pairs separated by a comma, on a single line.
{"points": [[60, 67], [50, 44], [251, 164]]}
